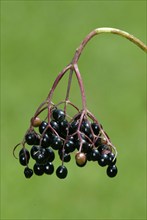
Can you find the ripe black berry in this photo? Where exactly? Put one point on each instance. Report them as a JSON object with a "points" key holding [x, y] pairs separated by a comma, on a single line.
{"points": [[34, 151], [28, 172], [95, 155], [58, 115], [41, 156], [43, 126], [111, 160], [61, 172], [56, 143], [38, 169], [85, 127], [46, 141], [103, 160], [95, 128], [49, 168], [73, 127], [31, 138], [69, 146], [24, 157], [50, 154], [112, 171]]}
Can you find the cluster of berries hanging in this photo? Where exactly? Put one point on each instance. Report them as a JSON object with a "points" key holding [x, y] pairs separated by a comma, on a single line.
{"points": [[80, 134]]}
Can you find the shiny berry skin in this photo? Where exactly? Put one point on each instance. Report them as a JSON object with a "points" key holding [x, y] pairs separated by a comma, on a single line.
{"points": [[38, 169], [81, 159], [58, 115], [28, 172], [111, 160], [30, 138], [69, 146], [73, 127], [61, 172], [103, 160], [95, 128], [56, 143], [95, 155], [50, 154], [49, 168], [24, 157], [46, 141], [34, 151], [43, 126], [112, 170], [41, 156], [64, 156], [63, 126], [85, 127], [103, 147], [54, 125]]}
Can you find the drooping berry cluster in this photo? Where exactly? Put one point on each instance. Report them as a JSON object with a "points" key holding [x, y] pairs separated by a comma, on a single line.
{"points": [[59, 134], [81, 134]]}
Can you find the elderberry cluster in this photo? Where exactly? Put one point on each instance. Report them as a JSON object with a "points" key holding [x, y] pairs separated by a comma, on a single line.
{"points": [[80, 134]]}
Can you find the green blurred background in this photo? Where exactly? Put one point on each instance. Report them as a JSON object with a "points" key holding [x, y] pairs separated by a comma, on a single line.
{"points": [[38, 39]]}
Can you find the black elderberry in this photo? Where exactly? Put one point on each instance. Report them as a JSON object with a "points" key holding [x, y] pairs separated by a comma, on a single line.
{"points": [[63, 126], [103, 160], [61, 172], [111, 160], [28, 172], [34, 151], [49, 168], [102, 148], [56, 143], [69, 146], [46, 141], [58, 115], [50, 154], [95, 155], [55, 126], [85, 127], [41, 156], [24, 157], [95, 128], [73, 127], [112, 170], [65, 157], [38, 169], [31, 138], [43, 126]]}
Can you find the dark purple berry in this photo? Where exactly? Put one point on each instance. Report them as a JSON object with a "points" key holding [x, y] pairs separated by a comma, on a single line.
{"points": [[56, 143], [61, 172], [112, 171], [73, 127], [69, 146], [103, 160], [49, 168], [58, 115], [50, 154], [43, 126], [111, 160], [30, 138], [38, 169], [28, 172], [95, 155], [46, 141], [34, 151], [24, 156], [85, 127], [95, 128]]}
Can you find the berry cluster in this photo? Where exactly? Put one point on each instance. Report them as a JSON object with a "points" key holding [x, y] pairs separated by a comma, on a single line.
{"points": [[58, 134], [80, 134]]}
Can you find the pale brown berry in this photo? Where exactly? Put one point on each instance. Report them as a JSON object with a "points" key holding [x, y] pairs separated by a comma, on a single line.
{"points": [[80, 158], [36, 122]]}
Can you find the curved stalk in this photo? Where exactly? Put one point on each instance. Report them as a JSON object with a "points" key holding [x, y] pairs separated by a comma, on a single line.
{"points": [[102, 30]]}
